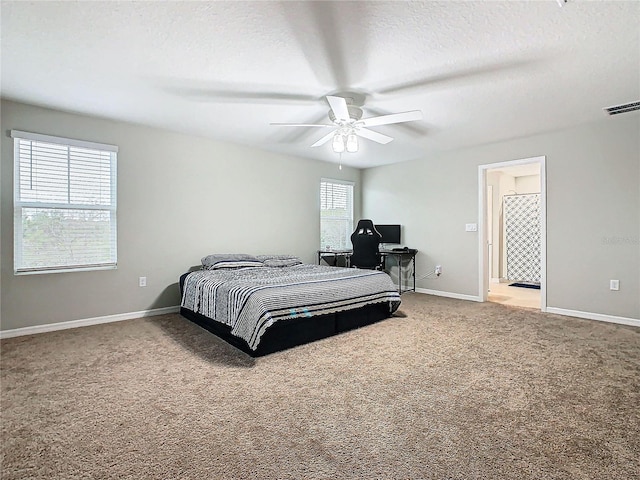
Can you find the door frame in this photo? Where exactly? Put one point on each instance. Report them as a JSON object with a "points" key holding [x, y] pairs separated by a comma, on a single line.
{"points": [[484, 230]]}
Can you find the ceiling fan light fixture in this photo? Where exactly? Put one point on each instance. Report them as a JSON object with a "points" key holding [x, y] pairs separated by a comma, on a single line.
{"points": [[338, 143], [352, 143]]}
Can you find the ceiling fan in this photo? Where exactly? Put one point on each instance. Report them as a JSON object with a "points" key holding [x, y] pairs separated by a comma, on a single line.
{"points": [[348, 124]]}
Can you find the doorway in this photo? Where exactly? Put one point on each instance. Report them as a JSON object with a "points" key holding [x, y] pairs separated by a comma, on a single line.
{"points": [[512, 232]]}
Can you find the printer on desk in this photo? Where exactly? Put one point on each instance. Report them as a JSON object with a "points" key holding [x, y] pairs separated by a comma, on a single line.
{"points": [[404, 250]]}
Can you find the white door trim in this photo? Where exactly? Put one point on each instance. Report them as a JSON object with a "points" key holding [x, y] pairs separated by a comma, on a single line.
{"points": [[483, 282]]}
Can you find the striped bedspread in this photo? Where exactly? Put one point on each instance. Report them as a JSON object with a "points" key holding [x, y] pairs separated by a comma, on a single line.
{"points": [[249, 300]]}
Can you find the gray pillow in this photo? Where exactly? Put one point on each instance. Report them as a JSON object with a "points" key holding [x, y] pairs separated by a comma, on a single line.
{"points": [[230, 260], [262, 258], [281, 263], [279, 260]]}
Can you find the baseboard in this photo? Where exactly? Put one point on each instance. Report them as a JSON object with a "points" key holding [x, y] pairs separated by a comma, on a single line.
{"points": [[634, 322], [51, 327], [459, 296], [495, 280]]}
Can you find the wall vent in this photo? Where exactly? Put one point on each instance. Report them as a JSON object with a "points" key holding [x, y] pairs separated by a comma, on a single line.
{"points": [[627, 107]]}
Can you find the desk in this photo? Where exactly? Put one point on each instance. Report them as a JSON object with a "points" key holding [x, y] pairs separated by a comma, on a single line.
{"points": [[401, 256], [335, 255]]}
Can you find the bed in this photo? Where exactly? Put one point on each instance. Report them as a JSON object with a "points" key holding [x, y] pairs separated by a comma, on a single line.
{"points": [[264, 304]]}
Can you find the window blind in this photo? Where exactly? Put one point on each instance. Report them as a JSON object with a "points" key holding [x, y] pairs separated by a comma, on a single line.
{"points": [[64, 204], [336, 214]]}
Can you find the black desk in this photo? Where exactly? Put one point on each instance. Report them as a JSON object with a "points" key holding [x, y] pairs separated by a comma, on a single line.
{"points": [[334, 255], [402, 257]]}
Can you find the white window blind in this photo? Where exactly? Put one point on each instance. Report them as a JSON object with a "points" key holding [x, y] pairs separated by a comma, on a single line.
{"points": [[336, 214], [64, 204]]}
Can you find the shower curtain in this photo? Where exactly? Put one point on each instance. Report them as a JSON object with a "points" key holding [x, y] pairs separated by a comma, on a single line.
{"points": [[522, 231]]}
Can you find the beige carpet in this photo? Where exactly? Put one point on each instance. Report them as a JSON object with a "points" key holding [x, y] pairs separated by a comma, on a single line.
{"points": [[448, 390]]}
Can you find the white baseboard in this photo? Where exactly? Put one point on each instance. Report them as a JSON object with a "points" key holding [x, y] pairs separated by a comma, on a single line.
{"points": [[459, 296], [495, 280], [634, 322], [51, 327]]}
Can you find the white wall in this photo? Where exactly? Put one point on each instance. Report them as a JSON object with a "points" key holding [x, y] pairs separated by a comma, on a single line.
{"points": [[507, 186], [593, 212], [527, 184], [179, 198], [493, 179]]}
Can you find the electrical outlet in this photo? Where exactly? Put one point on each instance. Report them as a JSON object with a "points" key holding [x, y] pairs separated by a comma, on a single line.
{"points": [[614, 284], [471, 227], [142, 281], [438, 270]]}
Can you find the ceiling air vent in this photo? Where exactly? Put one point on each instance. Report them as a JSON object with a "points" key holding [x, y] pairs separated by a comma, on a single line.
{"points": [[627, 107]]}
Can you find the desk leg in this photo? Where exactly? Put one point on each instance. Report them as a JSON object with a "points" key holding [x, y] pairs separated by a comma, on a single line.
{"points": [[414, 273], [399, 258]]}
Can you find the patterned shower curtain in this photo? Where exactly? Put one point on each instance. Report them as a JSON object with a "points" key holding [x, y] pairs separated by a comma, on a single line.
{"points": [[522, 229]]}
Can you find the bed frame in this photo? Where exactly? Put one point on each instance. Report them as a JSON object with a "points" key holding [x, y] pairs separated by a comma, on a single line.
{"points": [[292, 332]]}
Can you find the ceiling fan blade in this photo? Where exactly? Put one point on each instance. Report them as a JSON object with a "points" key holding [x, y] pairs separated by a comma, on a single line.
{"points": [[339, 107], [392, 118], [327, 37], [222, 96], [302, 125], [459, 75], [408, 127], [324, 139], [375, 136], [295, 135]]}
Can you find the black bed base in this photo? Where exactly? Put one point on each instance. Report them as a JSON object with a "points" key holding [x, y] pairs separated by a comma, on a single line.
{"points": [[292, 332]]}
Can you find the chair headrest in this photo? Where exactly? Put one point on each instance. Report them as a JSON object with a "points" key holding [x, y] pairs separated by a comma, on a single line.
{"points": [[365, 223], [366, 227]]}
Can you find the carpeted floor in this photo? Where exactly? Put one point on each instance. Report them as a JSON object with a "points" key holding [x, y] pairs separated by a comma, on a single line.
{"points": [[448, 389]]}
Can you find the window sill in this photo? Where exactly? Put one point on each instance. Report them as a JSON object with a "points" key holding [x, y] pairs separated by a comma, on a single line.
{"points": [[64, 270]]}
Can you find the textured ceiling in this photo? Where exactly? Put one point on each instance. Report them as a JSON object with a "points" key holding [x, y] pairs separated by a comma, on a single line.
{"points": [[479, 71]]}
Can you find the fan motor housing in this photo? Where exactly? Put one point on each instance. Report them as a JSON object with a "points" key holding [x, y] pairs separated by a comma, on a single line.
{"points": [[355, 113]]}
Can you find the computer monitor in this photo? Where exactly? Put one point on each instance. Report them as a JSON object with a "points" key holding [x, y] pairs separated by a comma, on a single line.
{"points": [[390, 234]]}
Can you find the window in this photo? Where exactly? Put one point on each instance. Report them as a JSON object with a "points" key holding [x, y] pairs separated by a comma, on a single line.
{"points": [[336, 214], [64, 204]]}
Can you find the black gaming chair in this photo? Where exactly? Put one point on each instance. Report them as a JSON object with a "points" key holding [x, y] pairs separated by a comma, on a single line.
{"points": [[366, 240]]}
